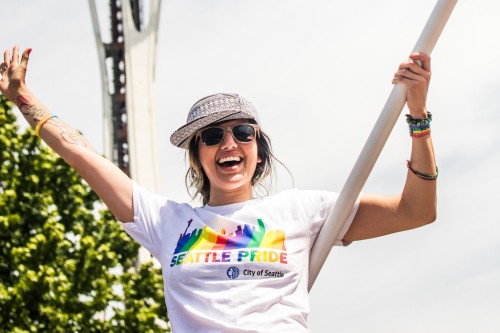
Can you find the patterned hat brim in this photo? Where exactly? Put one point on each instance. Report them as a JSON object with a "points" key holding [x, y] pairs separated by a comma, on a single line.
{"points": [[180, 137]]}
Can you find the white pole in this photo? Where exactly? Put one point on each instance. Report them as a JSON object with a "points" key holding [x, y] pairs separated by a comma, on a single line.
{"points": [[373, 146]]}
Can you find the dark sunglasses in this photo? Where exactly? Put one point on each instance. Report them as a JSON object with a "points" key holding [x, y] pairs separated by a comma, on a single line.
{"points": [[214, 135]]}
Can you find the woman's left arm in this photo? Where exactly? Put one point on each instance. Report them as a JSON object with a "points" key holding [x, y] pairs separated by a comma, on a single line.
{"points": [[380, 215]]}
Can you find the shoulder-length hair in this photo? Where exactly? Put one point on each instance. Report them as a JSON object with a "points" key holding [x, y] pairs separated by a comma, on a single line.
{"points": [[197, 182]]}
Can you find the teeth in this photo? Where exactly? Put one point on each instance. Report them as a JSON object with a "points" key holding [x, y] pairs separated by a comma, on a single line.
{"points": [[229, 159]]}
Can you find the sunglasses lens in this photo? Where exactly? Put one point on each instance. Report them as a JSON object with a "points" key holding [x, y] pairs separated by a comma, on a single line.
{"points": [[212, 136], [244, 133]]}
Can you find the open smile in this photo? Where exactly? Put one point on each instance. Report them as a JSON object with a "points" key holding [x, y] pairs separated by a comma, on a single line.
{"points": [[229, 161]]}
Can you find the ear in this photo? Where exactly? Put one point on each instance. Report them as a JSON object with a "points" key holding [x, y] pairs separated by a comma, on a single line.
{"points": [[259, 159]]}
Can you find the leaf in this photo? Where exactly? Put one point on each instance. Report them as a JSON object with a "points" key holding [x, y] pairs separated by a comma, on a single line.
{"points": [[62, 250]]}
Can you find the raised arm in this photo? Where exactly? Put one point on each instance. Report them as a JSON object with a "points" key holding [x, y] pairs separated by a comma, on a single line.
{"points": [[380, 215], [107, 180]]}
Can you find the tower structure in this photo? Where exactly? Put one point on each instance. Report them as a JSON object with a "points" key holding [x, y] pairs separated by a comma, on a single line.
{"points": [[127, 63]]}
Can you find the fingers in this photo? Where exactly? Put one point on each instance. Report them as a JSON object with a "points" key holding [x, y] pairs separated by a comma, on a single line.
{"points": [[424, 58], [11, 63], [410, 74], [417, 68], [25, 58], [15, 55], [415, 75], [406, 74], [412, 66], [14, 60], [419, 63], [6, 57]]}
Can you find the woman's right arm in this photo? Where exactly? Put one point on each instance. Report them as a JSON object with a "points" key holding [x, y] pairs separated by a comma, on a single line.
{"points": [[112, 185]]}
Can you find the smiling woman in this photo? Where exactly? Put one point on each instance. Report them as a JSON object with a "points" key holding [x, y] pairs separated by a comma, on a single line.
{"points": [[237, 263], [235, 115]]}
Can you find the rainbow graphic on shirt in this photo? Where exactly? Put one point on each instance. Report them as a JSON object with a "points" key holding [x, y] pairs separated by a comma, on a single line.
{"points": [[247, 244]]}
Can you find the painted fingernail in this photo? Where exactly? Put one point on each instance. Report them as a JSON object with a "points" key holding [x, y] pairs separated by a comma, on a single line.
{"points": [[29, 50]]}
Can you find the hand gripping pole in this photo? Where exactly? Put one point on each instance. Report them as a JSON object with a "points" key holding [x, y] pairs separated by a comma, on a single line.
{"points": [[373, 146]]}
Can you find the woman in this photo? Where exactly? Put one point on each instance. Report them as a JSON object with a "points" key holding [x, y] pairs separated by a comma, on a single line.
{"points": [[237, 264]]}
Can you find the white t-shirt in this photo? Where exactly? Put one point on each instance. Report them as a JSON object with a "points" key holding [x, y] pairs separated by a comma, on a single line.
{"points": [[242, 267]]}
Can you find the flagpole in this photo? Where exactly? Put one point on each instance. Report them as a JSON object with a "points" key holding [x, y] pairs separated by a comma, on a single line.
{"points": [[364, 164]]}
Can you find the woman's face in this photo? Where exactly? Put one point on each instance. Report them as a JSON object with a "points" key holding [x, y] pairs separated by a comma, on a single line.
{"points": [[229, 165]]}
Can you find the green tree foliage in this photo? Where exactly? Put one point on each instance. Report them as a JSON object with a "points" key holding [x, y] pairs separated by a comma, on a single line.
{"points": [[66, 265]]}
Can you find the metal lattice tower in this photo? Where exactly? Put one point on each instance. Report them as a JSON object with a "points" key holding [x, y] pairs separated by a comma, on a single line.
{"points": [[127, 64]]}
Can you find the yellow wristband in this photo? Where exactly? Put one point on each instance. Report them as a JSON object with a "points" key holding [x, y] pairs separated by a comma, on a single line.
{"points": [[42, 122]]}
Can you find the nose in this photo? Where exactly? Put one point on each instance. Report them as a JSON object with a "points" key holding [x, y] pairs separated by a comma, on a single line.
{"points": [[228, 141]]}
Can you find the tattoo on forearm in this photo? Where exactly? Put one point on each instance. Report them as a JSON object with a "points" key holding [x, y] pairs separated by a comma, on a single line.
{"points": [[36, 112], [73, 137], [22, 101], [69, 135]]}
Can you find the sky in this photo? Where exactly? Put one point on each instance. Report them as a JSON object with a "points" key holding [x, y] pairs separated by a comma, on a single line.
{"points": [[319, 72]]}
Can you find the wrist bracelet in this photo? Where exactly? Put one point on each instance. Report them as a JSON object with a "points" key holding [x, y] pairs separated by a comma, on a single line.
{"points": [[419, 127], [38, 126], [422, 175]]}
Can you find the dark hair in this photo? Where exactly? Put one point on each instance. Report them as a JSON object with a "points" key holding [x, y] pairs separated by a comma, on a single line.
{"points": [[197, 179]]}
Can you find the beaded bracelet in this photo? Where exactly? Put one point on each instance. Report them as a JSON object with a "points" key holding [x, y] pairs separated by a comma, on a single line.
{"points": [[422, 175], [419, 127], [38, 126]]}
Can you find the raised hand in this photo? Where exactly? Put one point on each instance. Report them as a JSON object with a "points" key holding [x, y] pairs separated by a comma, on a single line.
{"points": [[416, 75], [14, 74]]}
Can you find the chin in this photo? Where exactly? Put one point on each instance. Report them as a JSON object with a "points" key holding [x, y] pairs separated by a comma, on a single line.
{"points": [[234, 183]]}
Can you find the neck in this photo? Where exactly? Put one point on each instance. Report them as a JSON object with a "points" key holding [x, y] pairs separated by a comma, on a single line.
{"points": [[221, 198]]}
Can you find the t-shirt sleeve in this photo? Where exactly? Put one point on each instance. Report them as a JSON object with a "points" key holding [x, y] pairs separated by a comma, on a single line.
{"points": [[348, 223], [146, 226], [327, 201]]}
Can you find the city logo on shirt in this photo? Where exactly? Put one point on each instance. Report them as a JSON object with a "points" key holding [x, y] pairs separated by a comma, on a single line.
{"points": [[248, 244], [233, 272]]}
